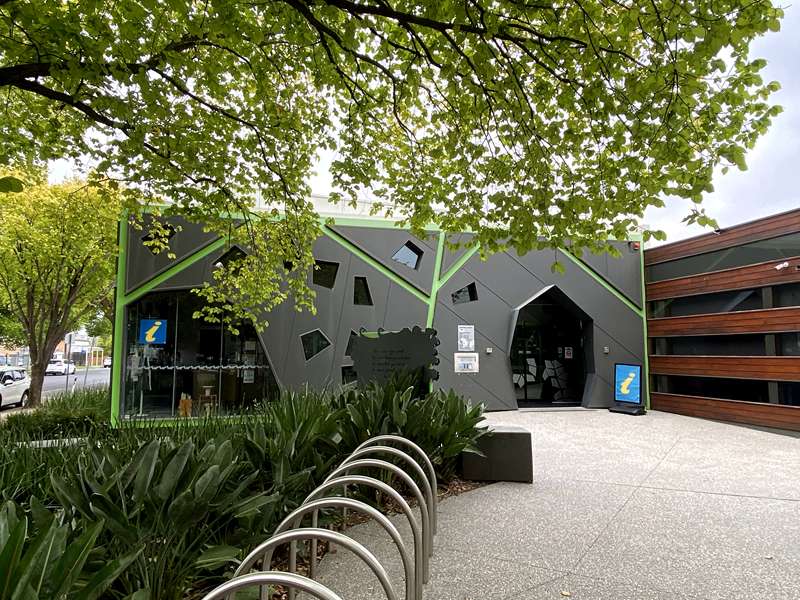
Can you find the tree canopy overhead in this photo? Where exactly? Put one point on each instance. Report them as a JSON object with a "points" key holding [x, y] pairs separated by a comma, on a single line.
{"points": [[530, 122]]}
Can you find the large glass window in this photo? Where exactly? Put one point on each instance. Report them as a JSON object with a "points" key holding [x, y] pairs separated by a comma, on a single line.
{"points": [[776, 248], [714, 387], [720, 302], [789, 393], [712, 345], [786, 295], [788, 344], [177, 365]]}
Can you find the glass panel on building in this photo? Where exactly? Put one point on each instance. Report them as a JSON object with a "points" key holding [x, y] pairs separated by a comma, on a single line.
{"points": [[469, 293], [361, 293], [786, 295], [325, 273], [788, 344], [349, 350], [314, 342], [712, 345], [349, 374], [747, 390], [719, 302], [777, 248], [409, 255], [789, 393], [191, 367]]}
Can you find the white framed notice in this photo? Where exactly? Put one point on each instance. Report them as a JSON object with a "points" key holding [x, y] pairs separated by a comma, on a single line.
{"points": [[248, 376], [466, 338], [568, 352], [465, 362]]}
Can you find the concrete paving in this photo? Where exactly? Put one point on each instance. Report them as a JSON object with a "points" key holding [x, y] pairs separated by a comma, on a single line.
{"points": [[622, 508]]}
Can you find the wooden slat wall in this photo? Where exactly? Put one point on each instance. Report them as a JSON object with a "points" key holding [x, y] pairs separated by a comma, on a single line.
{"points": [[759, 275], [782, 224], [772, 320], [751, 413], [769, 368]]}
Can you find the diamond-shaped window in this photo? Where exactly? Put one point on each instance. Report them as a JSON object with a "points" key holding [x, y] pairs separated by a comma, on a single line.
{"points": [[409, 255], [469, 293], [314, 342]]}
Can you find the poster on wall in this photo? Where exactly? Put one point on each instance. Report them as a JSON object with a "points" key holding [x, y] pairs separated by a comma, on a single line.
{"points": [[628, 383], [248, 376], [568, 352], [466, 338], [152, 331], [465, 362]]}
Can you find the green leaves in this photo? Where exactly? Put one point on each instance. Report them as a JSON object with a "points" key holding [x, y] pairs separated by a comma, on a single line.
{"points": [[516, 121], [10, 184]]}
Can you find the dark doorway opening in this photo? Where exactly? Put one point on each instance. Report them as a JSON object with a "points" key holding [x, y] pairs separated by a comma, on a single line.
{"points": [[551, 351]]}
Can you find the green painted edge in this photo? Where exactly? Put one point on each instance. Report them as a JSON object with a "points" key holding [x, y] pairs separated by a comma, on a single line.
{"points": [[174, 270], [462, 260], [437, 269], [644, 330], [603, 282], [119, 318], [411, 289]]}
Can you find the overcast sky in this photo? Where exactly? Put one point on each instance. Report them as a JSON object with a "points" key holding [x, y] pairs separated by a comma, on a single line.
{"points": [[771, 183]]}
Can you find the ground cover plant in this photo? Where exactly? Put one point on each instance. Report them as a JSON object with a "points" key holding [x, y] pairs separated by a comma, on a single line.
{"points": [[164, 512]]}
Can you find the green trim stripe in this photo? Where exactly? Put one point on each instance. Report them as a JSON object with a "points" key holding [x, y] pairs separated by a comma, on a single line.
{"points": [[437, 268], [456, 266], [119, 319], [389, 274], [603, 282], [174, 270], [644, 329]]}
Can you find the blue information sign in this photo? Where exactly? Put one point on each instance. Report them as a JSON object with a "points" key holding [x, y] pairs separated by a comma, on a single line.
{"points": [[153, 331], [628, 383]]}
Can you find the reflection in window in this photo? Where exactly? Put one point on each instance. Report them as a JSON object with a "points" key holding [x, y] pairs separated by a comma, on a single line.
{"points": [[200, 368], [777, 248], [314, 342], [789, 393], [409, 255], [786, 295], [361, 294], [719, 302], [751, 344], [714, 387], [468, 293], [325, 273], [788, 344]]}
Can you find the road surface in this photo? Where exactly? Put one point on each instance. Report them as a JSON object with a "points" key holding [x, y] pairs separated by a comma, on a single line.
{"points": [[56, 383]]}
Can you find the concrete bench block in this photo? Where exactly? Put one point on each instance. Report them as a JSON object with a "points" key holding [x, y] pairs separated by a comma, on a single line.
{"points": [[508, 456]]}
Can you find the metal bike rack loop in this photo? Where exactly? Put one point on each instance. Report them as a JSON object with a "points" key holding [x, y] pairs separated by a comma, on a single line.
{"points": [[427, 534], [295, 519], [420, 558], [265, 579], [429, 492], [266, 549], [425, 461]]}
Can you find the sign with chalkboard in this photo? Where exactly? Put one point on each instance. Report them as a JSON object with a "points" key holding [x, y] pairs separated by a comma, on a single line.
{"points": [[379, 356]]}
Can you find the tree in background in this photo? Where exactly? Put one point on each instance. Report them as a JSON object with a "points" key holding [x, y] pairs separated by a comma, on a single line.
{"points": [[532, 123], [58, 244]]}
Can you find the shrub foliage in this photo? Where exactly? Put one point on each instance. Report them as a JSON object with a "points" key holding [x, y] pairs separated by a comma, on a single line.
{"points": [[153, 511]]}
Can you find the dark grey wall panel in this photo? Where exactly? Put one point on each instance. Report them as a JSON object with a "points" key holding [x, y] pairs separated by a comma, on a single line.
{"points": [[624, 273], [451, 256], [381, 244], [144, 265]]}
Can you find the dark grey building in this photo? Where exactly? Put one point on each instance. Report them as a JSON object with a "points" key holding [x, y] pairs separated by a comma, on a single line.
{"points": [[539, 338]]}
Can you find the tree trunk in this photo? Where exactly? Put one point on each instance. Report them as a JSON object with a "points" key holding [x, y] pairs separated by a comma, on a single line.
{"points": [[37, 379]]}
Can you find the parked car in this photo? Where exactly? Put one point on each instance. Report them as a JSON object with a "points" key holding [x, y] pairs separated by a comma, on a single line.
{"points": [[107, 362], [14, 387], [59, 367]]}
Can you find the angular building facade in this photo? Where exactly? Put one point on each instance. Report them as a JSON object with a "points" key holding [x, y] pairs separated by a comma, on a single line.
{"points": [[541, 338]]}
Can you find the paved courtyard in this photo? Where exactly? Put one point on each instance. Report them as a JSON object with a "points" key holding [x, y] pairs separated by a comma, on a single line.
{"points": [[622, 508]]}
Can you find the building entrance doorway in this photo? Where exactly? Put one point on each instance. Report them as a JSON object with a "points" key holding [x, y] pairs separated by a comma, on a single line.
{"points": [[550, 350]]}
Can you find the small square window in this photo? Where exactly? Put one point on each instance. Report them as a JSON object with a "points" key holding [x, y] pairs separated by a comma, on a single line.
{"points": [[314, 342], [325, 273], [349, 375], [466, 294], [361, 295], [409, 255]]}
